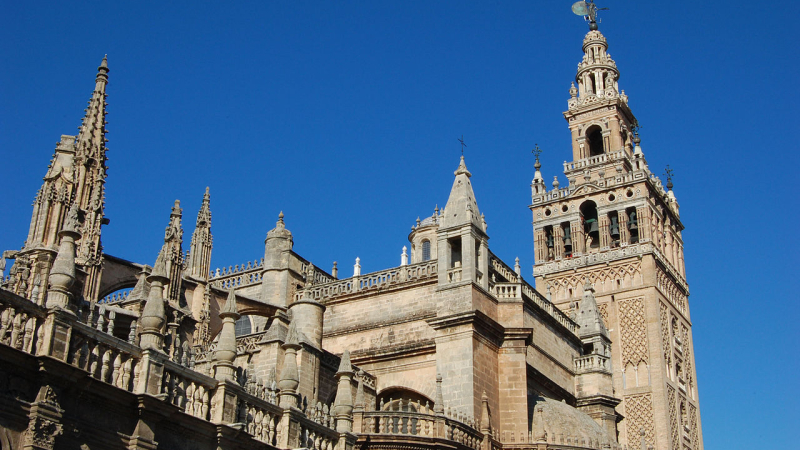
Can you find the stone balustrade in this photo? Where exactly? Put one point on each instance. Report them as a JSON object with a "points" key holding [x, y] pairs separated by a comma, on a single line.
{"points": [[371, 282], [592, 363], [21, 324], [420, 424], [454, 275], [86, 341], [260, 417], [524, 440], [507, 291], [317, 436], [103, 356], [188, 390], [592, 160], [240, 279]]}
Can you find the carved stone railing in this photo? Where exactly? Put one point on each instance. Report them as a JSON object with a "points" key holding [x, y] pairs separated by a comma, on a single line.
{"points": [[507, 290], [238, 279], [518, 288], [21, 323], [548, 307], [317, 436], [421, 424], [260, 417], [562, 441], [592, 160], [454, 275], [188, 390], [371, 281], [592, 363], [502, 269], [104, 356], [64, 338]]}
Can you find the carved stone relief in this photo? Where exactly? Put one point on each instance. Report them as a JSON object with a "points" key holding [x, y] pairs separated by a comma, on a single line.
{"points": [[633, 331], [638, 416]]}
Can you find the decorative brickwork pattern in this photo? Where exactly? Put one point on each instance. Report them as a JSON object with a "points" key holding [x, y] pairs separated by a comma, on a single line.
{"points": [[687, 355], [603, 308], [671, 291], [633, 331], [665, 340], [596, 277], [638, 415], [693, 426], [673, 419]]}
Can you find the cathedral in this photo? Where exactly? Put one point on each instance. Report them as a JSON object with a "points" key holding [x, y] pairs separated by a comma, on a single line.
{"points": [[454, 349]]}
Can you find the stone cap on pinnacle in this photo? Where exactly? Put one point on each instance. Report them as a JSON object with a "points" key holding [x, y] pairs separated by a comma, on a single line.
{"points": [[230, 309], [280, 230]]}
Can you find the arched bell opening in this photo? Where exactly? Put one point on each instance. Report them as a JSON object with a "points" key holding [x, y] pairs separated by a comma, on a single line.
{"points": [[633, 225], [594, 136], [613, 229], [590, 226], [549, 242], [567, 233]]}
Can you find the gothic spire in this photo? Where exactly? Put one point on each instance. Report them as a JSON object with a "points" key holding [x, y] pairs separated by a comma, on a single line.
{"points": [[199, 263], [173, 241], [91, 137]]}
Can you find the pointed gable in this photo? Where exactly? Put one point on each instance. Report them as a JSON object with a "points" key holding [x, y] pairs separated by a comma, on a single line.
{"points": [[461, 208]]}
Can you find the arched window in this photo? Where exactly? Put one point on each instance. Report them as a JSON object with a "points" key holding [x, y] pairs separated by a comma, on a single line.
{"points": [[426, 250], [594, 135], [243, 326]]}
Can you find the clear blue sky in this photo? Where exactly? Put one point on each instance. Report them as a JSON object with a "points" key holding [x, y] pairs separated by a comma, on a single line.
{"points": [[345, 116]]}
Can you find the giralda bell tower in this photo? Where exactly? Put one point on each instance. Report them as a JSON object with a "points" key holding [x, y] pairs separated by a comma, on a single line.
{"points": [[618, 227]]}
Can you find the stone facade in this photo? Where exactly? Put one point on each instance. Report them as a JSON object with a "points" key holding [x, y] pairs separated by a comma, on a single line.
{"points": [[452, 349]]}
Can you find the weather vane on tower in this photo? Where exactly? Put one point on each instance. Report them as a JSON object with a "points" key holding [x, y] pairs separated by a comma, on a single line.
{"points": [[589, 12], [668, 172], [461, 139], [536, 152]]}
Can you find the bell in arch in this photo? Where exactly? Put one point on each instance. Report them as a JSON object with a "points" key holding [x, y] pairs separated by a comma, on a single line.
{"points": [[567, 237], [550, 240], [614, 227], [591, 225], [632, 222]]}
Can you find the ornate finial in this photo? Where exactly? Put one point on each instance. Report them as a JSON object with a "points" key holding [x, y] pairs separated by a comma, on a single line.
{"points": [[537, 151], [587, 286], [668, 173], [461, 139], [103, 65], [280, 216], [588, 10]]}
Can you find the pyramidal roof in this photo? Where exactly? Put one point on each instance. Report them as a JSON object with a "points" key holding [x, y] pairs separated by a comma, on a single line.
{"points": [[461, 208], [588, 316]]}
